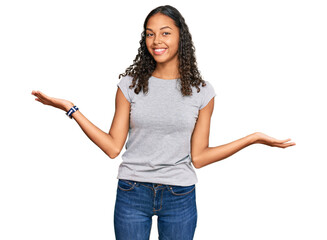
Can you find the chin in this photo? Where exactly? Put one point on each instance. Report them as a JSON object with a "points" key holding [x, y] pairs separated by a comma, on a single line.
{"points": [[160, 60]]}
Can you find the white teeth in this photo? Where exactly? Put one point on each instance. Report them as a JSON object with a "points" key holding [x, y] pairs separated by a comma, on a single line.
{"points": [[159, 50]]}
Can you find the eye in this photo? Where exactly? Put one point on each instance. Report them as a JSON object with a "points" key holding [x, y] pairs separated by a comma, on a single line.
{"points": [[148, 34], [167, 33]]}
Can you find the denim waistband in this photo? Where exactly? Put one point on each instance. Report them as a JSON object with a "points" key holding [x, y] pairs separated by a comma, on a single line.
{"points": [[150, 184], [153, 185]]}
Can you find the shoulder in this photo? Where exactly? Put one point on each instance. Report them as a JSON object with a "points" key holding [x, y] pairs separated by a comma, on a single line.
{"points": [[125, 80], [124, 84], [208, 92], [208, 87]]}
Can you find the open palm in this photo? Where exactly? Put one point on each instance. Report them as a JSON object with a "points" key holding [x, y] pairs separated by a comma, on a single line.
{"points": [[51, 101], [273, 142]]}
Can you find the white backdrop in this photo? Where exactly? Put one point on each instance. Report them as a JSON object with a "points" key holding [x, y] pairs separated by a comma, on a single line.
{"points": [[267, 62]]}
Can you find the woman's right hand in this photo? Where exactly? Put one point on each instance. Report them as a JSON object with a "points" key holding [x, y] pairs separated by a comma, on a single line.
{"points": [[62, 104]]}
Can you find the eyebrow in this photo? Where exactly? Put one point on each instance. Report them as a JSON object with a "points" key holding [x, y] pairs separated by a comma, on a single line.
{"points": [[160, 28]]}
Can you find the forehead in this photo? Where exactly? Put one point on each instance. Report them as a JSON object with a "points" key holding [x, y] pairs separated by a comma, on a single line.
{"points": [[160, 20]]}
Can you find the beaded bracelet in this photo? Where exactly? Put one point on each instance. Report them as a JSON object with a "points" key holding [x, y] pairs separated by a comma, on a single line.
{"points": [[71, 111]]}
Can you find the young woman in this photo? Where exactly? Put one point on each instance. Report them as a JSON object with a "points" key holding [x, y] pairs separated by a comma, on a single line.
{"points": [[165, 107]]}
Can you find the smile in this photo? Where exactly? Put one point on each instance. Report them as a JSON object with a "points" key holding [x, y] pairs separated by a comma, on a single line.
{"points": [[159, 51]]}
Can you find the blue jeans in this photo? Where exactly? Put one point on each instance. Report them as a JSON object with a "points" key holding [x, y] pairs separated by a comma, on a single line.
{"points": [[137, 202]]}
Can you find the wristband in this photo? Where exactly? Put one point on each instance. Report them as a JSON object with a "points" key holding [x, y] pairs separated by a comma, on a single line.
{"points": [[71, 111]]}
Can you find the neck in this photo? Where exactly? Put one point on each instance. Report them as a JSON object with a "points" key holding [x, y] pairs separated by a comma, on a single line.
{"points": [[166, 71]]}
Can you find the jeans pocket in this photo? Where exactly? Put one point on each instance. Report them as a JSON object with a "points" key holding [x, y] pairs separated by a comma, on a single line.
{"points": [[126, 185], [180, 190]]}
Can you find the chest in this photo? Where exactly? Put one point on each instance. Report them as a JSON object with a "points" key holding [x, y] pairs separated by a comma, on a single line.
{"points": [[164, 110]]}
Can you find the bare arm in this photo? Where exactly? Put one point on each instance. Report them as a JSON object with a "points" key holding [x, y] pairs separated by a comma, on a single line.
{"points": [[203, 155], [213, 154], [103, 140], [110, 143]]}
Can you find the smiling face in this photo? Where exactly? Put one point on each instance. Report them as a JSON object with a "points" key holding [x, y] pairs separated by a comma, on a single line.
{"points": [[162, 38]]}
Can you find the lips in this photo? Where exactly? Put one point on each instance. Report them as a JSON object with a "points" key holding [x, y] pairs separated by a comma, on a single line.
{"points": [[159, 51]]}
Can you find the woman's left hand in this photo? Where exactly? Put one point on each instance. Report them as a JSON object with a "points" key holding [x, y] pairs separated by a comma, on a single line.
{"points": [[273, 142]]}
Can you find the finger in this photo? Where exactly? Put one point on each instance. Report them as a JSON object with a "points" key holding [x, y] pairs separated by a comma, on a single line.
{"points": [[285, 145], [289, 145], [41, 95], [34, 92], [283, 141]]}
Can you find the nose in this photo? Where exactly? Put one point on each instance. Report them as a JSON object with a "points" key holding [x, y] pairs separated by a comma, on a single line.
{"points": [[157, 39]]}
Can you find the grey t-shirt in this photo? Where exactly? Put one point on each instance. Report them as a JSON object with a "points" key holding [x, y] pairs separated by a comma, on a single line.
{"points": [[158, 148]]}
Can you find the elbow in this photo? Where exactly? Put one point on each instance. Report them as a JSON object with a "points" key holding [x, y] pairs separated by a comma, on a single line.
{"points": [[111, 149], [195, 162], [113, 153], [197, 166], [198, 157], [112, 156]]}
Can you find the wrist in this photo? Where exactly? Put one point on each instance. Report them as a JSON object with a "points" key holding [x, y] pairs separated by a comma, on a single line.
{"points": [[254, 138], [68, 106]]}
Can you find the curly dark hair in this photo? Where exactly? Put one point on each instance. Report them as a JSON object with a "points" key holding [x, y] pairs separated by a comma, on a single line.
{"points": [[144, 64]]}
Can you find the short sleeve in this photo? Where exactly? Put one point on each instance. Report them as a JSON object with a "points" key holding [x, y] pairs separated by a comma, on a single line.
{"points": [[208, 94], [124, 87]]}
